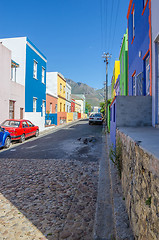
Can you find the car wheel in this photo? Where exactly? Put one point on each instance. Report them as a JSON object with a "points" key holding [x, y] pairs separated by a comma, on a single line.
{"points": [[7, 142], [22, 139], [37, 133]]}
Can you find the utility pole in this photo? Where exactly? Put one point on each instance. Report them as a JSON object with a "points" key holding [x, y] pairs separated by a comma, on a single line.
{"points": [[106, 57]]}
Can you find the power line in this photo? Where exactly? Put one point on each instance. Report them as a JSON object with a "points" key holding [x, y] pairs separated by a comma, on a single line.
{"points": [[115, 25], [111, 22]]}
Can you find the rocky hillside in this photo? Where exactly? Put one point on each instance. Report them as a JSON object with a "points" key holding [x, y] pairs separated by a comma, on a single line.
{"points": [[93, 96]]}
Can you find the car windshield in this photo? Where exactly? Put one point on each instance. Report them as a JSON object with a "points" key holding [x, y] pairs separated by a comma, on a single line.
{"points": [[96, 115], [11, 123]]}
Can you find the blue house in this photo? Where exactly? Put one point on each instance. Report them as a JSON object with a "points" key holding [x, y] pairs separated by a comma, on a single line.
{"points": [[32, 75], [139, 48]]}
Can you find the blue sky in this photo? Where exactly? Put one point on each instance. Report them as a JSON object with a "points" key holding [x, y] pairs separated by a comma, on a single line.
{"points": [[72, 34]]}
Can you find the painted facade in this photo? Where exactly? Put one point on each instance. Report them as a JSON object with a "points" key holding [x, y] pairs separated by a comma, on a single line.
{"points": [[12, 93], [139, 48], [123, 58], [73, 105], [32, 75], [82, 102], [51, 103], [116, 72], [78, 106], [61, 93], [155, 62], [68, 98], [51, 98]]}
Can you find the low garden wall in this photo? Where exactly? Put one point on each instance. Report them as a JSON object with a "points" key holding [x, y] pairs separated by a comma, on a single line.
{"points": [[140, 183]]}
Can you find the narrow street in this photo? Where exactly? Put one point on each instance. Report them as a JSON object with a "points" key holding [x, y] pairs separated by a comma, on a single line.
{"points": [[48, 187]]}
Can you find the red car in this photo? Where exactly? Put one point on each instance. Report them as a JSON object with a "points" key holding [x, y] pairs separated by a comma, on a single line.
{"points": [[20, 129]]}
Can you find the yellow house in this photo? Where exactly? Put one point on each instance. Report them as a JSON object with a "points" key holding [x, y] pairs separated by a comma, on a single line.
{"points": [[116, 72], [77, 107], [61, 92]]}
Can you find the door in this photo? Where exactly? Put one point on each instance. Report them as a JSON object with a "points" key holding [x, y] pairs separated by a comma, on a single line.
{"points": [[21, 113], [43, 108], [25, 129], [31, 128]]}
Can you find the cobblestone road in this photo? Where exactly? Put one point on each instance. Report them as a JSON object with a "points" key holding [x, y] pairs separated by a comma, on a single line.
{"points": [[47, 200], [52, 199]]}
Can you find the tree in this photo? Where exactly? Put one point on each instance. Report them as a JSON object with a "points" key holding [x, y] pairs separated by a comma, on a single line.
{"points": [[102, 105], [88, 108]]}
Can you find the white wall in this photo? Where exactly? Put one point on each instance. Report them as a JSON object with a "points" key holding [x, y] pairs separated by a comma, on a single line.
{"points": [[81, 103], [5, 74], [68, 99], [9, 90], [17, 94], [51, 83], [36, 119], [18, 54]]}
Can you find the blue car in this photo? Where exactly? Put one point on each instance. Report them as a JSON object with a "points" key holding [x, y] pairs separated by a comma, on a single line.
{"points": [[5, 138]]}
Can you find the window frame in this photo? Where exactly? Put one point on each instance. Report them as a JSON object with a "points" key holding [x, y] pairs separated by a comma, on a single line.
{"points": [[43, 75], [34, 104], [50, 107], [35, 69], [60, 87]]}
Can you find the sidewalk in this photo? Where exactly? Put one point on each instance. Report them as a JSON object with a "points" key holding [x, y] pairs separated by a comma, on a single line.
{"points": [[111, 222]]}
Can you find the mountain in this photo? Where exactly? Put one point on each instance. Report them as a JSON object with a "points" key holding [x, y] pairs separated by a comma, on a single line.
{"points": [[93, 96]]}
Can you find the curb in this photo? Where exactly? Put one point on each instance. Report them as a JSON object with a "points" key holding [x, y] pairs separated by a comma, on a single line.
{"points": [[104, 219]]}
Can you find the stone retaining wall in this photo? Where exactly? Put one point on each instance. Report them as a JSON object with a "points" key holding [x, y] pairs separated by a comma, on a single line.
{"points": [[140, 183]]}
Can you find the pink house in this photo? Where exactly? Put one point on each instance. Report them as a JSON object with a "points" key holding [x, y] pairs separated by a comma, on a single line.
{"points": [[12, 94]]}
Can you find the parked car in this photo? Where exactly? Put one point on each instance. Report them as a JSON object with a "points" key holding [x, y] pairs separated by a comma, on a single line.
{"points": [[5, 138], [20, 129], [96, 118]]}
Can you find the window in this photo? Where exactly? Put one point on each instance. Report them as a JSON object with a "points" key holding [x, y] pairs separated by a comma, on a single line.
{"points": [[144, 3], [64, 89], [11, 109], [30, 124], [134, 85], [24, 125], [60, 107], [67, 108], [35, 70], [43, 75], [60, 87], [34, 104], [133, 15], [50, 107], [13, 74], [147, 62], [114, 113], [55, 108], [64, 107], [67, 95]]}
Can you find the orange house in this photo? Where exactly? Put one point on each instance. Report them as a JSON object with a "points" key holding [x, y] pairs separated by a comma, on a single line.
{"points": [[51, 103]]}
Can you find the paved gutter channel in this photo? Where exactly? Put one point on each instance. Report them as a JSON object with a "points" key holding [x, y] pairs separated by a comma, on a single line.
{"points": [[104, 221], [111, 220]]}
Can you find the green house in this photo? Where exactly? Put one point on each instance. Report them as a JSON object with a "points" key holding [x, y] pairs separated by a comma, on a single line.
{"points": [[123, 57]]}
